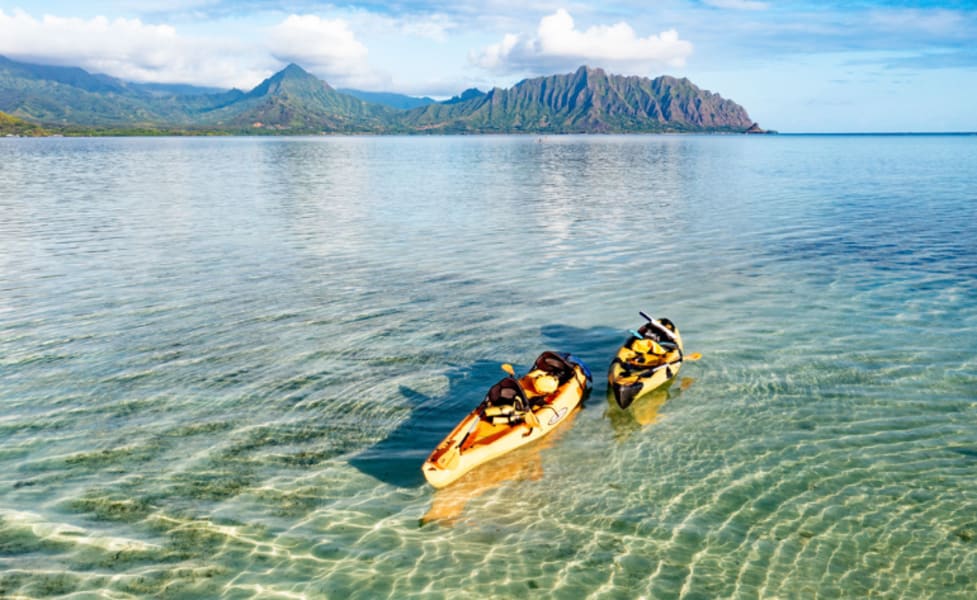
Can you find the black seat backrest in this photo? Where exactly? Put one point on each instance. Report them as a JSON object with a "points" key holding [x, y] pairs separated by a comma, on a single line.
{"points": [[505, 392], [553, 363]]}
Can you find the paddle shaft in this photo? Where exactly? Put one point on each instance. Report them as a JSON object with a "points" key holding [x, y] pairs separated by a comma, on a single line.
{"points": [[695, 356], [658, 325]]}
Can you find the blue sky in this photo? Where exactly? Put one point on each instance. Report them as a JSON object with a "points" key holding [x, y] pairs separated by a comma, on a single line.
{"points": [[796, 66]]}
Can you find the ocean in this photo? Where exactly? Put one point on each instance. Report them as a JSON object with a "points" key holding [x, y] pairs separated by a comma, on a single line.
{"points": [[223, 361]]}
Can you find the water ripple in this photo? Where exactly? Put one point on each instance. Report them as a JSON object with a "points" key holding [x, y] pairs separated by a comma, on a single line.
{"points": [[222, 363]]}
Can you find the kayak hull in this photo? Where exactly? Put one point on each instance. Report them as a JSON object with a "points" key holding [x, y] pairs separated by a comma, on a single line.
{"points": [[477, 440]]}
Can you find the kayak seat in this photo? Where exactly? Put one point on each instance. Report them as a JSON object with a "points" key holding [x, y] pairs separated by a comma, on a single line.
{"points": [[506, 393], [502, 415], [505, 404], [553, 363]]}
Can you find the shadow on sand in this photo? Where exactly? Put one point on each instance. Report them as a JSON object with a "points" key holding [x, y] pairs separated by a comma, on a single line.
{"points": [[397, 459]]}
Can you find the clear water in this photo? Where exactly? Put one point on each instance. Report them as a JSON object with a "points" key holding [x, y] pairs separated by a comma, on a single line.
{"points": [[222, 362]]}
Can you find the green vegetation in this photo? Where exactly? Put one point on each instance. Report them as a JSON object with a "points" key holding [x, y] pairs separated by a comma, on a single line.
{"points": [[72, 102], [12, 126], [398, 101], [587, 101]]}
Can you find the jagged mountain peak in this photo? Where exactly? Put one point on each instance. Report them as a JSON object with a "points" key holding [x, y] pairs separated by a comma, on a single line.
{"points": [[293, 72], [588, 72], [293, 69], [465, 96], [588, 100], [293, 79]]}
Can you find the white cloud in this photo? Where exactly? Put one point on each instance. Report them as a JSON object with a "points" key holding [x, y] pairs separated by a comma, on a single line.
{"points": [[124, 48], [326, 47], [557, 44], [135, 50]]}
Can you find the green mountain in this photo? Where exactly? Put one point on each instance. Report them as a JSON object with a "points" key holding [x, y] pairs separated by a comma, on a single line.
{"points": [[175, 89], [71, 96], [390, 99], [65, 95], [295, 100], [468, 94], [589, 100]]}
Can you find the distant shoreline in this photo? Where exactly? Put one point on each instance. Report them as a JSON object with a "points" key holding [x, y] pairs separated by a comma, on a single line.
{"points": [[884, 133], [223, 134]]}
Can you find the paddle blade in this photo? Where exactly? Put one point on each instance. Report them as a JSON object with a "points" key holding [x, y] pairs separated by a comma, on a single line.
{"points": [[693, 356], [531, 419], [508, 369]]}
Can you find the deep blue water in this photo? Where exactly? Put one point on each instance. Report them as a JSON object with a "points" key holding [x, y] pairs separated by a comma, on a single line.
{"points": [[222, 362]]}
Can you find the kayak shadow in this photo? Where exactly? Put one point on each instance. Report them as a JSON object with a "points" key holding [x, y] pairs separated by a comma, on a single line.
{"points": [[397, 459]]}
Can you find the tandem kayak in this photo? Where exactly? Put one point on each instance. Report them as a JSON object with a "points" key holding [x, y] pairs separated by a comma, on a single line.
{"points": [[513, 413], [650, 358]]}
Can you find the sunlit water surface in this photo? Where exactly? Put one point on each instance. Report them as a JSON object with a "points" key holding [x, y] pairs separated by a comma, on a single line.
{"points": [[223, 361]]}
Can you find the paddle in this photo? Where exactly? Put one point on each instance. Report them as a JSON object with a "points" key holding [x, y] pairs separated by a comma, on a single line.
{"points": [[530, 416], [449, 459], [512, 375], [658, 325], [682, 356], [693, 356]]}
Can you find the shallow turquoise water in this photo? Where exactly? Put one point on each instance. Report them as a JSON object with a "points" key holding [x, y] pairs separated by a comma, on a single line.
{"points": [[222, 362]]}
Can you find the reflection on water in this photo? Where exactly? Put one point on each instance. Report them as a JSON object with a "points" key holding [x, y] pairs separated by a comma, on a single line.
{"points": [[645, 410], [223, 362], [522, 464]]}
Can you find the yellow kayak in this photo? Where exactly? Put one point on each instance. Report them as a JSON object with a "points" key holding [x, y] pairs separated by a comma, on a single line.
{"points": [[514, 413], [522, 464], [651, 357]]}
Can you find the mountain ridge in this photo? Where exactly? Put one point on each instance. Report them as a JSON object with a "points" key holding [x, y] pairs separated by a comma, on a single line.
{"points": [[588, 100], [389, 99]]}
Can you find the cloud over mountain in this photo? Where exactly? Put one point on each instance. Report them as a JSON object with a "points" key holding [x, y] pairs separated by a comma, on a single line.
{"points": [[558, 44], [328, 47], [126, 48]]}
